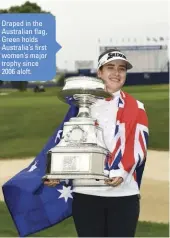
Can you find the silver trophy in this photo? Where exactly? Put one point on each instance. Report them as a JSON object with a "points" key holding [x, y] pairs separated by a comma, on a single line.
{"points": [[81, 152]]}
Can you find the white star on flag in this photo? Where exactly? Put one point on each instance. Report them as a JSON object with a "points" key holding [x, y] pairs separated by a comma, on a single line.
{"points": [[66, 193], [58, 135], [33, 167]]}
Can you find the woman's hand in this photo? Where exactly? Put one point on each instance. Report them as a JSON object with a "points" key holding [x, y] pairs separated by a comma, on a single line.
{"points": [[114, 181], [51, 182]]}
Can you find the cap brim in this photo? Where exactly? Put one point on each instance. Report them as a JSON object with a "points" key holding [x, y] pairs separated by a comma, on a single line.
{"points": [[128, 64]]}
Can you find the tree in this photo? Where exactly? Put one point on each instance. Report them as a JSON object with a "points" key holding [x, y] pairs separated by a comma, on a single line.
{"points": [[27, 7], [3, 11], [1, 83], [20, 85], [60, 81]]}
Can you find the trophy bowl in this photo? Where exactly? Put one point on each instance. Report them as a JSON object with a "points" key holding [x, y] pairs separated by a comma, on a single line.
{"points": [[81, 152], [84, 86]]}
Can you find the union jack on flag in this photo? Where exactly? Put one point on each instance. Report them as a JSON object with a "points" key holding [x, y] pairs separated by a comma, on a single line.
{"points": [[131, 139]]}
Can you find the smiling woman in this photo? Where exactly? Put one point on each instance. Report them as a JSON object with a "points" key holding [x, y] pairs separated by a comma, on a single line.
{"points": [[124, 123], [112, 69]]}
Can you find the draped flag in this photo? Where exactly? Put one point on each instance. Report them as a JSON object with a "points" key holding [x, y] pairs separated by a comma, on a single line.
{"points": [[33, 206], [131, 140]]}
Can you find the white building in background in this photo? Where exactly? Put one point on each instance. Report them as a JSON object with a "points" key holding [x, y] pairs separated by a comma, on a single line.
{"points": [[147, 54], [145, 58]]}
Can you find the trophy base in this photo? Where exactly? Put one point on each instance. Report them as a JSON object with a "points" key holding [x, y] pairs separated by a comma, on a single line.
{"points": [[83, 164], [80, 181], [76, 162], [64, 176]]}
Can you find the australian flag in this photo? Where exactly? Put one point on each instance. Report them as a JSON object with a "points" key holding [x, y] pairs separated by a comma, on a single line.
{"points": [[33, 206]]}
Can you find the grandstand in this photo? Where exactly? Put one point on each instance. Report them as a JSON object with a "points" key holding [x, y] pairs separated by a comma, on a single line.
{"points": [[150, 61], [145, 58]]}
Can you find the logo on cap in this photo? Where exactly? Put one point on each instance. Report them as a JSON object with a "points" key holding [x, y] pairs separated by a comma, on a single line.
{"points": [[115, 54]]}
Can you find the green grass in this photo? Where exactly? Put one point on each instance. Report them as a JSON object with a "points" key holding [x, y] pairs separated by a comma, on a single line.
{"points": [[66, 228], [27, 119]]}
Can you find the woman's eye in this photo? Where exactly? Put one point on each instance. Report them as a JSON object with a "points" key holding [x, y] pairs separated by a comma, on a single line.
{"points": [[122, 69]]}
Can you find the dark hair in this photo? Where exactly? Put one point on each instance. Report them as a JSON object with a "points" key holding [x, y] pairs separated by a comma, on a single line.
{"points": [[107, 51]]}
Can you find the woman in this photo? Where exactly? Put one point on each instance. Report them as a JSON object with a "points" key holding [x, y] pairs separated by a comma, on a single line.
{"points": [[113, 210]]}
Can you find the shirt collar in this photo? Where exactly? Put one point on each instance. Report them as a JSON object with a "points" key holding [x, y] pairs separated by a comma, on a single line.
{"points": [[116, 94]]}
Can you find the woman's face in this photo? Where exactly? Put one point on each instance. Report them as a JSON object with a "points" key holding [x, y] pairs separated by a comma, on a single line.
{"points": [[113, 74]]}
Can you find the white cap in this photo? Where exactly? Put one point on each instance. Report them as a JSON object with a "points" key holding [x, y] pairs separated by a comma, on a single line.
{"points": [[114, 55]]}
